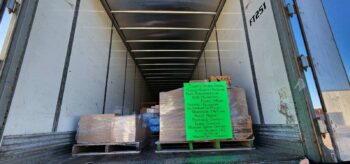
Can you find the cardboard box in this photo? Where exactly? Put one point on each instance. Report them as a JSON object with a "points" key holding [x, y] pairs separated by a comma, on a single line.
{"points": [[221, 78], [238, 102], [109, 128], [152, 110], [195, 81], [242, 127]]}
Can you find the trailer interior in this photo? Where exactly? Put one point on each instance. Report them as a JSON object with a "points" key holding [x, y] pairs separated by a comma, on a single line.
{"points": [[117, 54]]}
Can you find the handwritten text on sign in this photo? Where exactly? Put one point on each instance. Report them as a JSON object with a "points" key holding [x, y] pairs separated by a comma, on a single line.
{"points": [[207, 114]]}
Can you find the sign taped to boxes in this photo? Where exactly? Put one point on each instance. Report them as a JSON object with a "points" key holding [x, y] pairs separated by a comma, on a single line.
{"points": [[207, 115]]}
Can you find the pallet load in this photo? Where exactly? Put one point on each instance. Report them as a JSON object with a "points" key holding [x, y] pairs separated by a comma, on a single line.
{"points": [[172, 116], [172, 121], [108, 134]]}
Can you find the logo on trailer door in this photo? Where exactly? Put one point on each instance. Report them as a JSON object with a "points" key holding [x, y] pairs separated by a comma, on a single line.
{"points": [[258, 13]]}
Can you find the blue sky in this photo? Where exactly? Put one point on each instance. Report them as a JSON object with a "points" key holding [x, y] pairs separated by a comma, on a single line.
{"points": [[338, 16], [3, 28], [337, 13]]}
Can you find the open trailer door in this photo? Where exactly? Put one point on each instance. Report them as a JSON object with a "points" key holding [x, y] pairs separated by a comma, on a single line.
{"points": [[329, 72]]}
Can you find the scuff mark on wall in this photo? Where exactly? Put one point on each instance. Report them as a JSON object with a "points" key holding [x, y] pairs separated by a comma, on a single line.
{"points": [[70, 4], [284, 107], [246, 6], [300, 85]]}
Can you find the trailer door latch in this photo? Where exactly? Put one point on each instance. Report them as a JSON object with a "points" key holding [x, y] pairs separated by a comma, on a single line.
{"points": [[304, 62]]}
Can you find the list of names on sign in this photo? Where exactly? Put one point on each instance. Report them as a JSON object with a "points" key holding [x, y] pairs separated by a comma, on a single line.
{"points": [[207, 114]]}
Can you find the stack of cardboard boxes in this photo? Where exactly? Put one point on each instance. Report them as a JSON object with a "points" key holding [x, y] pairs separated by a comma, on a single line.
{"points": [[172, 116], [109, 128]]}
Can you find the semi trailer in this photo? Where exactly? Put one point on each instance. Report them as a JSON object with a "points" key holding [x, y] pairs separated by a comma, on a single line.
{"points": [[69, 58]]}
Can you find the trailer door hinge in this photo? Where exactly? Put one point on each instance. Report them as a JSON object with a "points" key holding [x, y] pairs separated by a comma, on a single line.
{"points": [[290, 9], [12, 6], [304, 62]]}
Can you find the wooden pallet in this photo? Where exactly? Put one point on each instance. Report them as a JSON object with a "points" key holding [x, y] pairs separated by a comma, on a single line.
{"points": [[204, 146], [107, 149]]}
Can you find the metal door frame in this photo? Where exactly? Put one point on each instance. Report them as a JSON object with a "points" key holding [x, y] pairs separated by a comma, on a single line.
{"points": [[318, 84], [14, 57], [308, 129]]}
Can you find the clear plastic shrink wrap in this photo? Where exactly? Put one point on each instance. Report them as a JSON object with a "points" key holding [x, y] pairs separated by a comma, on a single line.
{"points": [[109, 128], [172, 116], [241, 120]]}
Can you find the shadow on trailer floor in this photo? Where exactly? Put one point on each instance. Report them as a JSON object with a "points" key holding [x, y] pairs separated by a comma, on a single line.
{"points": [[262, 154], [252, 156]]}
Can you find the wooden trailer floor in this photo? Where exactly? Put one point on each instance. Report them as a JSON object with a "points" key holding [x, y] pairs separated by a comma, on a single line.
{"points": [[252, 156]]}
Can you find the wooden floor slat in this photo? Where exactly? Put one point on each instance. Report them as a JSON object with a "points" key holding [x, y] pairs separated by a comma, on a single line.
{"points": [[106, 149]]}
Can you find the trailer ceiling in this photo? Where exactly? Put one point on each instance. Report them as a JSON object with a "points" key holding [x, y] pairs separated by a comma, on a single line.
{"points": [[165, 37]]}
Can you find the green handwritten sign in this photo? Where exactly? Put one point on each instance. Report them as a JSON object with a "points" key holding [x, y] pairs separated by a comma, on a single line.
{"points": [[207, 114]]}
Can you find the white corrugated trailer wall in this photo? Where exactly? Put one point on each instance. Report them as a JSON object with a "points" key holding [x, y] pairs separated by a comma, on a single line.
{"points": [[234, 54], [200, 71], [275, 93], [273, 85], [195, 74], [39, 80], [85, 85], [115, 90], [116, 84], [279, 128], [138, 91], [129, 86], [211, 55], [201, 68], [38, 85]]}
